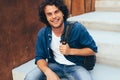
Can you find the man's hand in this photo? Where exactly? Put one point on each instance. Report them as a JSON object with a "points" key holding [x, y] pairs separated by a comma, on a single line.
{"points": [[64, 49]]}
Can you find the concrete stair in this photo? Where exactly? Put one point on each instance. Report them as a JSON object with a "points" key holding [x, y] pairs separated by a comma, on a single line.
{"points": [[108, 46], [107, 5], [104, 26], [109, 21]]}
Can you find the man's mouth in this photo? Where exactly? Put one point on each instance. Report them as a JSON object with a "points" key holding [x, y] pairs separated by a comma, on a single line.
{"points": [[55, 21]]}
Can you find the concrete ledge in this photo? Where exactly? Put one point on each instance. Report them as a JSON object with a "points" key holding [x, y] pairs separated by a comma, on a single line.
{"points": [[20, 71], [100, 72]]}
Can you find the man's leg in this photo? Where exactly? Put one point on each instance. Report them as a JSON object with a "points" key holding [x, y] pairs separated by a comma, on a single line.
{"points": [[35, 74], [78, 73], [58, 69]]}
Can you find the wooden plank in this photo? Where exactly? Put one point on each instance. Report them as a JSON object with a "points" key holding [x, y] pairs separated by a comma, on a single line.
{"points": [[88, 5], [77, 7], [93, 5], [68, 3]]}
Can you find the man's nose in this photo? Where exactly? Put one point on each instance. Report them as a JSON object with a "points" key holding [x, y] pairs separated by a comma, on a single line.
{"points": [[53, 15]]}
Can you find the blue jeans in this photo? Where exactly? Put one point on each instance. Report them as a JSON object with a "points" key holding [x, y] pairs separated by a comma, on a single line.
{"points": [[65, 72]]}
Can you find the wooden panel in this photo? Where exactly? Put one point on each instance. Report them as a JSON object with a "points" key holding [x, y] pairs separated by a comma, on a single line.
{"points": [[68, 3], [80, 6], [19, 25], [77, 7], [93, 5], [88, 5]]}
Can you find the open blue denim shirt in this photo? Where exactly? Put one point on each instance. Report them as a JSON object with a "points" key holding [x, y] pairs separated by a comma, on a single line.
{"points": [[79, 38]]}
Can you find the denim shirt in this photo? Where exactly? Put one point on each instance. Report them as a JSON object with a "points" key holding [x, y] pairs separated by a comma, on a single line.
{"points": [[79, 38]]}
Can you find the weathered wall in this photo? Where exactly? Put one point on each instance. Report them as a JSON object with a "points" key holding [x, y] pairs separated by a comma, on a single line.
{"points": [[19, 25]]}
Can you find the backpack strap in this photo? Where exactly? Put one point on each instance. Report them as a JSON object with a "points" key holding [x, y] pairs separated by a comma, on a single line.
{"points": [[67, 33]]}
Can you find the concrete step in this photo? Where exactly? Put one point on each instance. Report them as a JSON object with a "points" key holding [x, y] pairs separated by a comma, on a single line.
{"points": [[109, 21], [108, 43], [20, 72], [100, 72], [105, 72], [107, 5]]}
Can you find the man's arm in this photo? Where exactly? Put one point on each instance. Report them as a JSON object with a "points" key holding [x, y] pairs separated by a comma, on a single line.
{"points": [[66, 50], [50, 75], [82, 52]]}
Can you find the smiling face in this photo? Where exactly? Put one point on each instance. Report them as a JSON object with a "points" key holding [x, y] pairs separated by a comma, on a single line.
{"points": [[54, 16]]}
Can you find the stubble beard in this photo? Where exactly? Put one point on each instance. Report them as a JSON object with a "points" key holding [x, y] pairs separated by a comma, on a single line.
{"points": [[58, 26]]}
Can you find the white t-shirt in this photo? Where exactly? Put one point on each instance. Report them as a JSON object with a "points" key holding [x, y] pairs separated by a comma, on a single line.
{"points": [[56, 52]]}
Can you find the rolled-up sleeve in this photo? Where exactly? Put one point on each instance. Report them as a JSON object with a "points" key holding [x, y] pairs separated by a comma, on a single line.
{"points": [[40, 48], [86, 39]]}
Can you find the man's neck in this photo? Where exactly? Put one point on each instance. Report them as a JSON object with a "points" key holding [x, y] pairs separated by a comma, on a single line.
{"points": [[58, 31]]}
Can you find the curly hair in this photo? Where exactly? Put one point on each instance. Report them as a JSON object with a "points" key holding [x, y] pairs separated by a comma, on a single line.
{"points": [[58, 3]]}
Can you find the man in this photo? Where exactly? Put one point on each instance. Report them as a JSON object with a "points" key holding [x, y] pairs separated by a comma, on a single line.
{"points": [[54, 59]]}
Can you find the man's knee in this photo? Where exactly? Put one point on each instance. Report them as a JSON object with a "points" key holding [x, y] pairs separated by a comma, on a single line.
{"points": [[30, 77], [35, 74]]}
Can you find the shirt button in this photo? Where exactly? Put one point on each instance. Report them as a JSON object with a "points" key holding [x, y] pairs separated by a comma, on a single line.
{"points": [[49, 38]]}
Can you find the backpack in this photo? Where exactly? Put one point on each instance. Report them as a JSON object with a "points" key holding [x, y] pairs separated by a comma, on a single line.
{"points": [[89, 61]]}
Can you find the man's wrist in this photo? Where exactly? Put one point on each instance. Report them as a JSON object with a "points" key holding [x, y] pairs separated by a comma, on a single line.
{"points": [[71, 51], [47, 71]]}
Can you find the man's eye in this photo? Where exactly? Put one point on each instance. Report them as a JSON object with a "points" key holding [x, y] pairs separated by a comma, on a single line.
{"points": [[49, 14], [57, 11]]}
